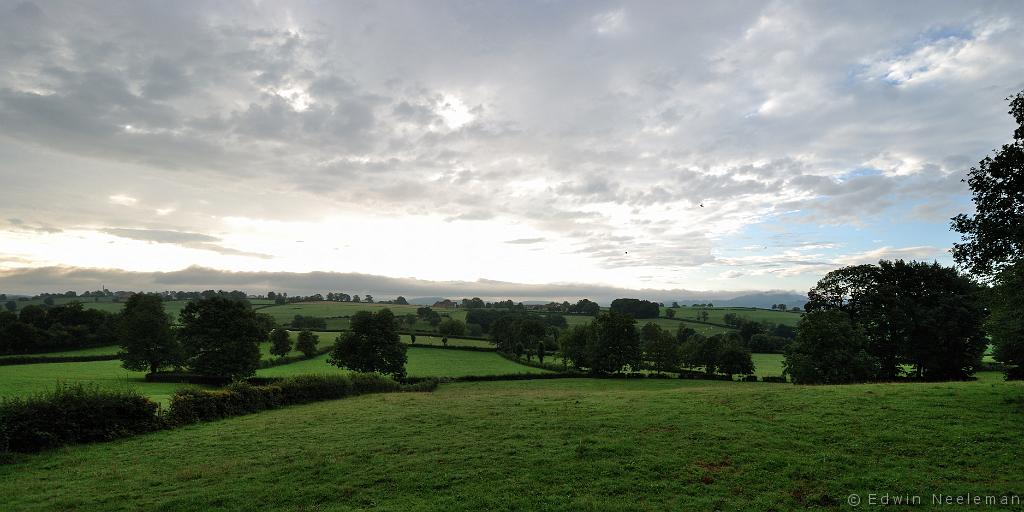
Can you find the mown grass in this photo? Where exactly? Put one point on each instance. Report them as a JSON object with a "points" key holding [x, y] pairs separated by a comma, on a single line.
{"points": [[92, 351], [21, 380], [576, 444], [26, 379], [422, 362]]}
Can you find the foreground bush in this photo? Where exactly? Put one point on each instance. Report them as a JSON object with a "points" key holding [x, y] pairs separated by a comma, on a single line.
{"points": [[74, 414], [192, 405]]}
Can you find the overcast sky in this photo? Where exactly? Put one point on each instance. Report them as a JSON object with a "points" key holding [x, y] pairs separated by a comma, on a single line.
{"points": [[705, 146]]}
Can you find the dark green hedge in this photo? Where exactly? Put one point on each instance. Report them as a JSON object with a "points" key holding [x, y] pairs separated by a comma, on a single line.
{"points": [[192, 405], [781, 378], [74, 414]]}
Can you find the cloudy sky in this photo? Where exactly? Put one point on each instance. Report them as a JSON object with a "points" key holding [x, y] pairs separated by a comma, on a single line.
{"points": [[707, 146]]}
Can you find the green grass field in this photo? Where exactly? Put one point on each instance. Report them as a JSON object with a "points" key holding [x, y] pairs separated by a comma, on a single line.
{"points": [[576, 444], [717, 315], [21, 380], [25, 379], [93, 351], [422, 362]]}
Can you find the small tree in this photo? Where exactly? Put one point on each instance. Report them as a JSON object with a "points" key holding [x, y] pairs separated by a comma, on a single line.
{"points": [[11, 306], [670, 313], [540, 352], [829, 349], [734, 359], [444, 341], [280, 342], [371, 345], [451, 327], [147, 342], [412, 338], [518, 349], [615, 345], [307, 342], [661, 349]]}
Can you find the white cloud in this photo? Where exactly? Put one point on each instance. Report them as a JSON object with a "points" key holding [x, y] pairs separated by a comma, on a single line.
{"points": [[122, 200]]}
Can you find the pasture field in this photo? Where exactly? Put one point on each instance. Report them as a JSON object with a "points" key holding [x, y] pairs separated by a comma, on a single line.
{"points": [[717, 315], [571, 444], [423, 339], [422, 362], [92, 351], [26, 379], [671, 325]]}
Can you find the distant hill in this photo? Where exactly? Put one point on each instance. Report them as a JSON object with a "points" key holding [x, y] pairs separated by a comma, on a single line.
{"points": [[762, 300], [425, 301]]}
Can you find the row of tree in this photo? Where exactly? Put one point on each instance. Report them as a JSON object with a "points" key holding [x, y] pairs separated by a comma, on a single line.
{"points": [[37, 328], [216, 336]]}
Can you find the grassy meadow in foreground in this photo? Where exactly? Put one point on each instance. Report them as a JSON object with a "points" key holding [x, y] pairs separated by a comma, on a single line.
{"points": [[576, 444]]}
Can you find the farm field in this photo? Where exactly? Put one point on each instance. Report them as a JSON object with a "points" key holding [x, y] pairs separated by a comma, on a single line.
{"points": [[422, 362], [717, 315], [92, 351], [25, 379], [20, 380], [556, 445], [665, 323]]}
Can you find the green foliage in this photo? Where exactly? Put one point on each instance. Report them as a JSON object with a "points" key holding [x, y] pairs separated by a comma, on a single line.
{"points": [[307, 342], [308, 322], [573, 344], [637, 308], [915, 313], [451, 327], [193, 405], [1006, 322], [734, 358], [993, 238], [372, 345], [829, 349], [73, 414], [280, 342], [144, 333], [661, 349], [615, 344], [585, 307], [220, 337]]}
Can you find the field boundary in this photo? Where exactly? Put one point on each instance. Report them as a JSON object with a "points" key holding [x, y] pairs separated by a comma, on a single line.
{"points": [[18, 360]]}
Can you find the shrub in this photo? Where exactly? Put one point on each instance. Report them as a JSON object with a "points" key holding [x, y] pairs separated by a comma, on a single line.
{"points": [[73, 414], [767, 378], [192, 405]]}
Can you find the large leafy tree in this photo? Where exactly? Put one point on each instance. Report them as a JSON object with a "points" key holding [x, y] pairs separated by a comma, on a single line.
{"points": [[829, 349], [913, 313], [661, 348], [993, 237], [147, 342], [372, 344], [1006, 323], [615, 343], [307, 343], [993, 241], [280, 342], [221, 336]]}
